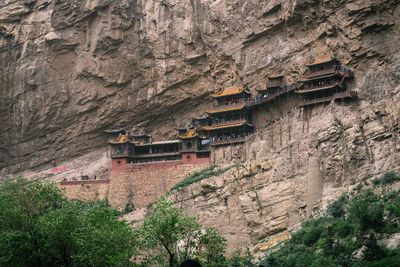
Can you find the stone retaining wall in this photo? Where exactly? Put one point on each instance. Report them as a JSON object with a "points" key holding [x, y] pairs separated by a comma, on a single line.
{"points": [[86, 190]]}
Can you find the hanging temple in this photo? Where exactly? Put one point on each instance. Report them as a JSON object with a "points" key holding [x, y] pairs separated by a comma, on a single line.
{"points": [[231, 119]]}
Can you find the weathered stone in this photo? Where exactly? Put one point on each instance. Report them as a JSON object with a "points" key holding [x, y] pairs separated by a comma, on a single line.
{"points": [[70, 69]]}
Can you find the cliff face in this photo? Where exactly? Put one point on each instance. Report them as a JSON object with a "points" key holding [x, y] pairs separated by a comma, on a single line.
{"points": [[294, 168], [70, 69]]}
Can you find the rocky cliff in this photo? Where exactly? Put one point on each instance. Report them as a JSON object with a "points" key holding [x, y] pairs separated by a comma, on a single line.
{"points": [[294, 168], [70, 69]]}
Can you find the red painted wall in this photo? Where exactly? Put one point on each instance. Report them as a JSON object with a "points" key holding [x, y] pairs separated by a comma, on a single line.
{"points": [[158, 164], [203, 160], [122, 165], [191, 158]]}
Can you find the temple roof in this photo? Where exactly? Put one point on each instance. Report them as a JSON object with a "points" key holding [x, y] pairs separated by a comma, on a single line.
{"points": [[226, 108], [275, 77], [122, 138], [261, 89], [204, 117], [166, 142], [226, 125], [184, 127], [320, 61], [115, 131], [191, 133], [234, 90], [319, 77]]}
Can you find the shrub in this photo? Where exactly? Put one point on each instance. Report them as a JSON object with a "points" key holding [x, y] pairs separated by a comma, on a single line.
{"points": [[367, 211], [203, 174], [387, 178], [337, 208], [238, 261]]}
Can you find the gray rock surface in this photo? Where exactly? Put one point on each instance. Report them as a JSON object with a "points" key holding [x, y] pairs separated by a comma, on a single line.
{"points": [[70, 69]]}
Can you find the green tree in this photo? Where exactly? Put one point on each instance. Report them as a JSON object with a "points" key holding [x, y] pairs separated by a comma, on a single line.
{"points": [[367, 210], [167, 238], [21, 206], [238, 260], [39, 227]]}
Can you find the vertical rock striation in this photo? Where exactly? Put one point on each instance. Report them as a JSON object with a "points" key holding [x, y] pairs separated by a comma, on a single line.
{"points": [[70, 69]]}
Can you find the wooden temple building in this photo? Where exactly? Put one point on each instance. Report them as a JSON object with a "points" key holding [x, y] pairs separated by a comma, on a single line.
{"points": [[324, 81], [232, 118], [193, 147], [125, 149]]}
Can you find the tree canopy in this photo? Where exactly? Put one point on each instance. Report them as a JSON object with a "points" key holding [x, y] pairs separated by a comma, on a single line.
{"points": [[40, 227], [168, 237]]}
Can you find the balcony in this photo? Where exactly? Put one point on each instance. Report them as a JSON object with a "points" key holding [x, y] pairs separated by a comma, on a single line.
{"points": [[122, 154], [270, 97], [324, 72], [228, 141], [324, 86], [226, 124], [274, 83], [226, 108], [155, 155], [338, 95]]}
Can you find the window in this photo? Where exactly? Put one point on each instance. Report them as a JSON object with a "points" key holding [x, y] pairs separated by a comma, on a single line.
{"points": [[189, 144], [118, 162]]}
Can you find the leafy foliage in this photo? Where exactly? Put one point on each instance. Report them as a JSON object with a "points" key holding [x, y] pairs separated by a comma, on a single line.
{"points": [[238, 260], [167, 238], [387, 178], [203, 174], [39, 227], [346, 236]]}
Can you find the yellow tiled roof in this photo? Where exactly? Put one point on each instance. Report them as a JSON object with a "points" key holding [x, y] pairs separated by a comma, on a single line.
{"points": [[229, 91], [190, 133], [228, 108], [122, 138], [320, 60], [275, 76], [209, 128]]}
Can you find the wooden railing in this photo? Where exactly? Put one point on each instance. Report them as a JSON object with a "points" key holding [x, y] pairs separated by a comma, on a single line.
{"points": [[338, 95], [272, 96], [120, 154], [227, 123], [274, 83], [313, 74], [235, 105], [149, 155], [327, 85], [228, 141]]}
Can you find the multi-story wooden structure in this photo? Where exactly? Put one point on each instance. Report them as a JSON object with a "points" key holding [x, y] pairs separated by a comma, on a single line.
{"points": [[193, 147], [324, 81], [126, 150], [119, 143], [231, 118]]}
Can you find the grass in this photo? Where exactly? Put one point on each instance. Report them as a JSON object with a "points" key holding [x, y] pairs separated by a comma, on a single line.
{"points": [[203, 174]]}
